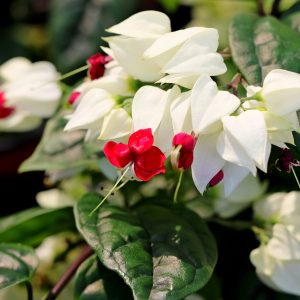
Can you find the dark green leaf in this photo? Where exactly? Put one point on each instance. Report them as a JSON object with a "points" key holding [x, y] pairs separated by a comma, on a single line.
{"points": [[88, 282], [160, 252], [17, 264], [241, 40], [61, 150], [94, 281], [277, 46], [260, 45], [33, 225]]}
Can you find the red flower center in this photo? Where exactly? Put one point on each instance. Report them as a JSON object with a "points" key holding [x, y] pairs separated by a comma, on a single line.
{"points": [[286, 161], [185, 157], [5, 111], [96, 64], [73, 97], [147, 159]]}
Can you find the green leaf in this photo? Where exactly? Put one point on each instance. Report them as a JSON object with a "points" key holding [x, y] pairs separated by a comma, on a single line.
{"points": [[277, 46], [160, 252], [94, 281], [241, 41], [88, 283], [33, 225], [60, 150], [260, 45], [17, 264]]}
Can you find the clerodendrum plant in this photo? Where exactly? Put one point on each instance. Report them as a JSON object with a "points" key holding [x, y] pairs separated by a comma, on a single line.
{"points": [[149, 117]]}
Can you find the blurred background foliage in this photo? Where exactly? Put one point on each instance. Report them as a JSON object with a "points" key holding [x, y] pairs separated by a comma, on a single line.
{"points": [[66, 32]]}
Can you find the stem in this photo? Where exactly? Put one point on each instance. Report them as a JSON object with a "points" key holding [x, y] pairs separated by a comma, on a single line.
{"points": [[29, 290], [178, 186], [110, 192], [295, 175], [66, 277], [260, 7], [237, 225], [73, 73], [275, 8], [235, 83]]}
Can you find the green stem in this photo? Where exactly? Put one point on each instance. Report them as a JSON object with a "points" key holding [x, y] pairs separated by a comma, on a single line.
{"points": [[73, 72], [110, 192], [177, 187], [237, 225]]}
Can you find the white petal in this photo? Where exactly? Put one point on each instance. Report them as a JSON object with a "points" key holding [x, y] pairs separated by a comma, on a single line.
{"points": [[129, 53], [268, 209], [186, 80], [283, 244], [227, 209], [148, 107], [249, 131], [233, 176], [53, 198], [116, 124], [290, 209], [197, 56], [208, 105], [171, 41], [143, 24], [280, 138], [232, 152], [252, 90], [207, 162], [164, 134], [281, 90], [36, 91], [262, 260], [94, 105], [14, 68], [19, 121], [181, 113]]}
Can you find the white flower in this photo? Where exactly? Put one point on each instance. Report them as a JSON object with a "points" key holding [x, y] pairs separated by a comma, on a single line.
{"points": [[280, 92], [97, 112], [279, 110], [136, 34], [278, 261], [247, 191], [31, 90], [187, 54], [151, 109], [200, 111]]}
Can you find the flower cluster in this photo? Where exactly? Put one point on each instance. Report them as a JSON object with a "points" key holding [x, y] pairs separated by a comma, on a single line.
{"points": [[277, 260], [28, 93], [160, 80]]}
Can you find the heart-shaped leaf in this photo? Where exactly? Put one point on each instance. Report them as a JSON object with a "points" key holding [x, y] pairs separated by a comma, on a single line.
{"points": [[160, 252], [94, 281], [17, 264], [259, 45]]}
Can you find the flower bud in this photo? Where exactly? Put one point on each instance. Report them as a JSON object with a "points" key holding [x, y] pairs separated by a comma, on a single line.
{"points": [[5, 111], [182, 153]]}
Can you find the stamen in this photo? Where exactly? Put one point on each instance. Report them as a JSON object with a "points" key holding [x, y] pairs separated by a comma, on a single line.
{"points": [[110, 192], [295, 175]]}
